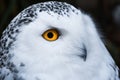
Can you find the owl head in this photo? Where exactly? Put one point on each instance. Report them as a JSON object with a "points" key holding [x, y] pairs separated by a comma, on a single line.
{"points": [[53, 41]]}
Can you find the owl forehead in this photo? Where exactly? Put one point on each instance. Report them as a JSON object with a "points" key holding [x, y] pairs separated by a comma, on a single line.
{"points": [[56, 7], [31, 13]]}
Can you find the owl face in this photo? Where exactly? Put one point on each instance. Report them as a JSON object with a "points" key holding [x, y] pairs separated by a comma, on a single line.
{"points": [[54, 41]]}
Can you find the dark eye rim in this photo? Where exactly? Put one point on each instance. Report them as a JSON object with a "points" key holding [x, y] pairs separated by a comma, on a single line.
{"points": [[57, 30]]}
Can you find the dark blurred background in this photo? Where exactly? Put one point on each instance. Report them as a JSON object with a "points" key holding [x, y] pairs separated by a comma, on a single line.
{"points": [[106, 13]]}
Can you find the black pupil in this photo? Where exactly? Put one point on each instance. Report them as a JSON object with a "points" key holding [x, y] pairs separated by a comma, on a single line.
{"points": [[50, 35]]}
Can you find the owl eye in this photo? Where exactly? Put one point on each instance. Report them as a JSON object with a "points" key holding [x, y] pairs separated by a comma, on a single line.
{"points": [[51, 35]]}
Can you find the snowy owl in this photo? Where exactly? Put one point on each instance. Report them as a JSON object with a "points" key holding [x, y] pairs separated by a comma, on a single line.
{"points": [[54, 41]]}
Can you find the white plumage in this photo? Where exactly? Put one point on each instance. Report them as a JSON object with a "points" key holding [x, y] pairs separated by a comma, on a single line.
{"points": [[77, 54]]}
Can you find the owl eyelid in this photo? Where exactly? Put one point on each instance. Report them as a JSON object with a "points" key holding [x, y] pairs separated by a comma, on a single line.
{"points": [[56, 29]]}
